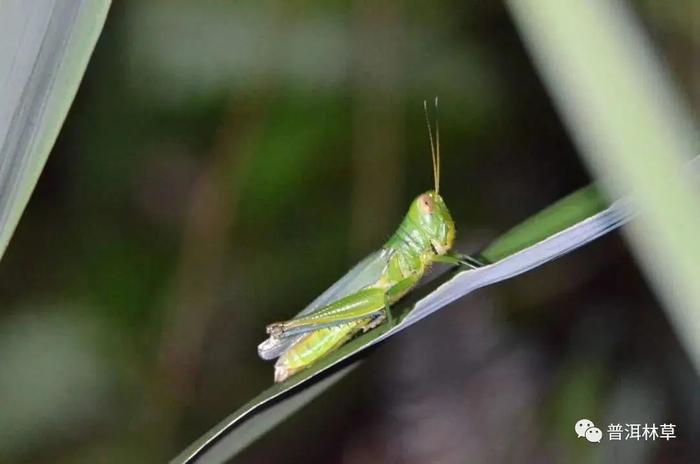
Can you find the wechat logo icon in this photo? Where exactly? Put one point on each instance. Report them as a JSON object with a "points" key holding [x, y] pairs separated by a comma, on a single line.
{"points": [[586, 429]]}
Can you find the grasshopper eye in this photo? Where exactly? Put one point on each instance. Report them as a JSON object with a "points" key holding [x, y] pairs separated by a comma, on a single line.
{"points": [[426, 204]]}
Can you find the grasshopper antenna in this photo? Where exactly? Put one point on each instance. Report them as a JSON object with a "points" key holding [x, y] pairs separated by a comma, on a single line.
{"points": [[436, 178], [437, 149]]}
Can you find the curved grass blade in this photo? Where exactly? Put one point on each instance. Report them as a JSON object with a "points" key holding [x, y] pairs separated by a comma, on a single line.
{"points": [[566, 225], [44, 49], [256, 417]]}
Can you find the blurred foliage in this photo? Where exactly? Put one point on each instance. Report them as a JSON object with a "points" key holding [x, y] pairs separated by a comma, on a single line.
{"points": [[207, 181]]}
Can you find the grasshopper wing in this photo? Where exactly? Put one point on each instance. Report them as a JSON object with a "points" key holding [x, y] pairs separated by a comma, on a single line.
{"points": [[364, 274]]}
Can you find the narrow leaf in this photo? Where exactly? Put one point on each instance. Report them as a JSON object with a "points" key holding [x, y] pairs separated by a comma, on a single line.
{"points": [[44, 49]]}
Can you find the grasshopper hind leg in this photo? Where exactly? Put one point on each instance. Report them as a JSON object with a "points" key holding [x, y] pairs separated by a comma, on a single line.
{"points": [[368, 308], [314, 346]]}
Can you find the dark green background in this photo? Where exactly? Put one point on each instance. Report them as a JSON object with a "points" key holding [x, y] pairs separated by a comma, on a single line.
{"points": [[224, 162]]}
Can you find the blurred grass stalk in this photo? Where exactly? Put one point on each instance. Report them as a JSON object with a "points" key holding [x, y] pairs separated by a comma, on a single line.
{"points": [[634, 132], [45, 46]]}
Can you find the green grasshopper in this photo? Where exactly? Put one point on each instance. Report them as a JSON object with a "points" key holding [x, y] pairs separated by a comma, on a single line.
{"points": [[361, 300]]}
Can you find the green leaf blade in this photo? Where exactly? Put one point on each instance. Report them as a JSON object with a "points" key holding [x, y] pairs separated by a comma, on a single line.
{"points": [[46, 48]]}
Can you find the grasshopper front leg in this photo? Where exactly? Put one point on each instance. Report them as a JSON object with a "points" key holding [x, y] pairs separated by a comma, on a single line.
{"points": [[459, 260]]}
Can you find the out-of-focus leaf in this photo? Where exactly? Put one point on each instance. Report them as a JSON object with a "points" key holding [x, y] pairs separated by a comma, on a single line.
{"points": [[564, 227], [50, 369], [44, 49], [635, 133]]}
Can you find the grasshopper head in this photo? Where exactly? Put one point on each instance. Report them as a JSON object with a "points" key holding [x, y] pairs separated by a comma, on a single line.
{"points": [[432, 217]]}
